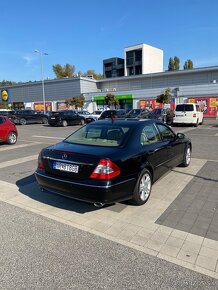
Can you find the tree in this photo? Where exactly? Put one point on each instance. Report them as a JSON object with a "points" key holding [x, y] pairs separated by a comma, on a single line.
{"points": [[176, 63], [110, 100], [165, 97], [171, 64], [91, 72], [6, 83], [188, 64], [76, 102], [63, 71]]}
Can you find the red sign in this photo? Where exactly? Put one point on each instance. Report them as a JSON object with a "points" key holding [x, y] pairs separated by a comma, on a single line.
{"points": [[152, 104], [208, 105], [40, 106]]}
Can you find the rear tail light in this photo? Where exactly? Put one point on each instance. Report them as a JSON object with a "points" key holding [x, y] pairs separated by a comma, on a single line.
{"points": [[40, 162], [105, 169], [194, 115]]}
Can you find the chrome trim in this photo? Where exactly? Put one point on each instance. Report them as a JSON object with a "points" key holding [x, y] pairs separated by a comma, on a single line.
{"points": [[67, 161], [82, 184]]}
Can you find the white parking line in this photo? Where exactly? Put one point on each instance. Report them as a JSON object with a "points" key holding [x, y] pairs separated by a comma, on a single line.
{"points": [[17, 161], [37, 136], [17, 146]]}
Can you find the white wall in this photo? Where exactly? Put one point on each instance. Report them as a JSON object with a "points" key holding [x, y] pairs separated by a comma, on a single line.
{"points": [[152, 59]]}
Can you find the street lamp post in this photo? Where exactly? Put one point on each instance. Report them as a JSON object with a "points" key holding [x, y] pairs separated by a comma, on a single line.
{"points": [[42, 75]]}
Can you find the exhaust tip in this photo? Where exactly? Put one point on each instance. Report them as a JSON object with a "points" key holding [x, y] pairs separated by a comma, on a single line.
{"points": [[99, 204]]}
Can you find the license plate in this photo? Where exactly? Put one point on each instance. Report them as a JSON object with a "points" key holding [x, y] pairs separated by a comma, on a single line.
{"points": [[66, 167], [52, 118]]}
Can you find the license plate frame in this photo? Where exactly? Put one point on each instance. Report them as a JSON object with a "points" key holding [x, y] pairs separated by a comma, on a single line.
{"points": [[65, 167]]}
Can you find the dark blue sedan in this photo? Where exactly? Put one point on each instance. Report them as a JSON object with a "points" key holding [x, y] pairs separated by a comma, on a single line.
{"points": [[109, 161]]}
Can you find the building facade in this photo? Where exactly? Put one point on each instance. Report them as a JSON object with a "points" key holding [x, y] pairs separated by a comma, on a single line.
{"points": [[136, 91]]}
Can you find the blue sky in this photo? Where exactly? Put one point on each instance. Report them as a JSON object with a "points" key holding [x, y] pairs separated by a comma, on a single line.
{"points": [[83, 33]]}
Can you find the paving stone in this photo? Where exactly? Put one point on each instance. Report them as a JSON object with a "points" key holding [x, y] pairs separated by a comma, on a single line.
{"points": [[212, 235], [191, 247], [169, 250], [187, 256], [208, 252], [175, 242], [198, 203], [207, 262]]}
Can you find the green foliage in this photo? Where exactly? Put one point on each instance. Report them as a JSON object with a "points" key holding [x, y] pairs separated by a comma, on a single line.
{"points": [[174, 63], [188, 64], [171, 64], [91, 72], [63, 71], [110, 100], [6, 83], [76, 102], [165, 97]]}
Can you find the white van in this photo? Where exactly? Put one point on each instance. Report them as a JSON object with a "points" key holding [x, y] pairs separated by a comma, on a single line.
{"points": [[188, 113]]}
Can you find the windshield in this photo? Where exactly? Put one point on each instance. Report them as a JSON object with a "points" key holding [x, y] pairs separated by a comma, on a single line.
{"points": [[99, 135]]}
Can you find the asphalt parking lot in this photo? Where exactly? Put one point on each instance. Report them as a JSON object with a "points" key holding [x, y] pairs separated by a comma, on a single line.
{"points": [[178, 224]]}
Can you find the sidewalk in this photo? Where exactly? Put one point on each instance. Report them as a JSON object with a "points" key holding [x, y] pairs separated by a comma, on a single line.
{"points": [[146, 228]]}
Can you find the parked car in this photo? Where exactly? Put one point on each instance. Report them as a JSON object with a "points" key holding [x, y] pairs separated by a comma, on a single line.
{"points": [[84, 113], [9, 113], [94, 116], [134, 113], [115, 114], [65, 118], [188, 114], [109, 161], [8, 131], [24, 117], [165, 115]]}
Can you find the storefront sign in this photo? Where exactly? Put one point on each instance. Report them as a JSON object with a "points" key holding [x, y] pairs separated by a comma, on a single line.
{"points": [[208, 105], [40, 106], [5, 95]]}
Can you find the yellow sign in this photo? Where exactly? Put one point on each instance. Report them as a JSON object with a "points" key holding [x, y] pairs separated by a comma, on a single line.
{"points": [[4, 95]]}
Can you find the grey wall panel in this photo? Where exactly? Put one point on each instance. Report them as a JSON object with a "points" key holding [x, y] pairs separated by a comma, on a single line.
{"points": [[87, 86]]}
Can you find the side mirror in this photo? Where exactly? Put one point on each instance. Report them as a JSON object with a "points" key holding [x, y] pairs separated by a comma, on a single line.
{"points": [[180, 136]]}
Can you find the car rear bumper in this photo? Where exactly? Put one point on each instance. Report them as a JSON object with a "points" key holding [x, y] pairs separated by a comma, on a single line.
{"points": [[87, 192]]}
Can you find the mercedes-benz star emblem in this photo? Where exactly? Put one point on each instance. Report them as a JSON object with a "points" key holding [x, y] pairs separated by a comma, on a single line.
{"points": [[64, 156]]}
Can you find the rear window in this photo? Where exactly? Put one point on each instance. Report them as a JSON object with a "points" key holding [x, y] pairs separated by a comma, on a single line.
{"points": [[185, 108], [99, 135]]}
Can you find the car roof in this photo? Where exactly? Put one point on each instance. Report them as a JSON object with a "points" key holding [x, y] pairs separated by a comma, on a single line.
{"points": [[125, 122]]}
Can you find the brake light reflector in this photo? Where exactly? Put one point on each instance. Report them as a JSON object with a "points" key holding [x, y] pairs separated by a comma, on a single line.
{"points": [[40, 162], [194, 115], [105, 169]]}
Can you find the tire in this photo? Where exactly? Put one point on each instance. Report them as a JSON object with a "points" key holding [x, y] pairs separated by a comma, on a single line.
{"points": [[64, 123], [187, 157], [197, 123], [12, 138], [23, 121], [44, 120], [82, 122], [142, 189]]}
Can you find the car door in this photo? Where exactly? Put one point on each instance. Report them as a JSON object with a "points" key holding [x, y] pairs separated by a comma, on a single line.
{"points": [[155, 150], [175, 147], [3, 129]]}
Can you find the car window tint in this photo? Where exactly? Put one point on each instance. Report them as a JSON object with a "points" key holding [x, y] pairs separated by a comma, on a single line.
{"points": [[165, 132], [99, 135], [149, 135], [2, 120]]}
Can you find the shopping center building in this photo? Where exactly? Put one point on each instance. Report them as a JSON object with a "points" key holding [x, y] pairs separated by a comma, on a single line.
{"points": [[133, 91]]}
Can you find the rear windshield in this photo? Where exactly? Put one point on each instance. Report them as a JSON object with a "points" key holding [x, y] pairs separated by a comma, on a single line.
{"points": [[99, 135], [184, 108]]}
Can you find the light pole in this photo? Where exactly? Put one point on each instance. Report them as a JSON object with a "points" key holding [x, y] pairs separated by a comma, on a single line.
{"points": [[42, 76]]}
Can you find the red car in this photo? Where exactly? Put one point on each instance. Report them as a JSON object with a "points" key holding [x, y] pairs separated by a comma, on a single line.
{"points": [[8, 131]]}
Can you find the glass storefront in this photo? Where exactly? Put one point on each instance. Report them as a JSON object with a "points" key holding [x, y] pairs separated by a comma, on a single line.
{"points": [[125, 102]]}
